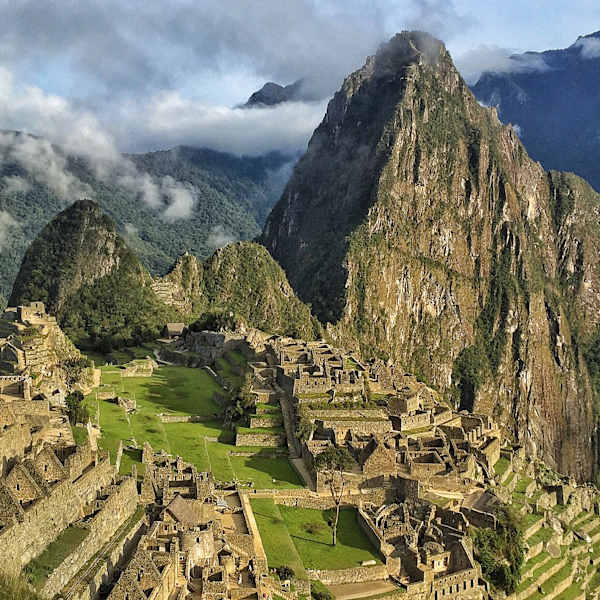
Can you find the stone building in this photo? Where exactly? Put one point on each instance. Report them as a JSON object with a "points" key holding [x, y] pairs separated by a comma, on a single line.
{"points": [[427, 550]]}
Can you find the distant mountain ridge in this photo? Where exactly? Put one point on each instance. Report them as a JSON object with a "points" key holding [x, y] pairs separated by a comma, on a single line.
{"points": [[272, 94], [233, 196], [553, 105]]}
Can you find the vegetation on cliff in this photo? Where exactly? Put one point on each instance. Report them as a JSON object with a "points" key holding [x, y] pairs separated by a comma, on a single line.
{"points": [[418, 227], [241, 284], [500, 551], [91, 281]]}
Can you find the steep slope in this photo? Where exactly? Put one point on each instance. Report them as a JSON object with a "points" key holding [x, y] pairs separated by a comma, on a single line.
{"points": [[90, 280], [554, 103], [242, 279], [231, 199], [417, 224]]}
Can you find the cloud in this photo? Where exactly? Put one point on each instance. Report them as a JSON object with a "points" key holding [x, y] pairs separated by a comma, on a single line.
{"points": [[120, 47], [518, 129], [28, 108], [169, 119], [218, 238], [14, 184], [181, 199], [494, 59], [131, 229], [38, 157], [7, 222], [590, 47]]}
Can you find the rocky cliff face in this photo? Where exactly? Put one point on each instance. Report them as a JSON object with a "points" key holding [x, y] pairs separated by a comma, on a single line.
{"points": [[240, 278], [417, 224]]}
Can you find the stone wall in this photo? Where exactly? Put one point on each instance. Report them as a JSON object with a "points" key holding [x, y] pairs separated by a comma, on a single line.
{"points": [[119, 506], [42, 523], [359, 426], [479, 518], [416, 421], [354, 575], [341, 413], [14, 440], [88, 588], [373, 534], [185, 418], [266, 440], [266, 421]]}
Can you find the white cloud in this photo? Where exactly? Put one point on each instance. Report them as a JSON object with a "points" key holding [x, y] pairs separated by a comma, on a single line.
{"points": [[218, 238], [168, 119], [590, 47], [45, 165], [181, 199], [518, 129], [495, 59], [30, 109], [14, 184], [7, 222], [131, 229]]}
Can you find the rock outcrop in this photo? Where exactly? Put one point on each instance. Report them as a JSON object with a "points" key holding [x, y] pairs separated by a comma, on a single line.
{"points": [[417, 224], [242, 279]]}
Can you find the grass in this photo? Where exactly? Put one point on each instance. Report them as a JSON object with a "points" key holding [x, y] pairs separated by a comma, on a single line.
{"points": [[273, 430], [38, 570], [15, 589], [182, 391], [311, 535], [80, 434], [172, 390], [278, 544], [501, 466], [308, 531]]}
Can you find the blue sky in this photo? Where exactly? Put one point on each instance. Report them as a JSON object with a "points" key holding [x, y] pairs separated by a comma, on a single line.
{"points": [[143, 75]]}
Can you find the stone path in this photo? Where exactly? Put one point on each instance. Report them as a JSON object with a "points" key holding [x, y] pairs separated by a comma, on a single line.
{"points": [[349, 591], [288, 422]]}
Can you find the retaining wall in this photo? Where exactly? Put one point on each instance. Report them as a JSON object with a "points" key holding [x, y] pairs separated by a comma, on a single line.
{"points": [[354, 575]]}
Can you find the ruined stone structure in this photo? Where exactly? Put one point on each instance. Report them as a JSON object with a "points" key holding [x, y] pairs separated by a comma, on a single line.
{"points": [[33, 346], [44, 493], [199, 546], [426, 549]]}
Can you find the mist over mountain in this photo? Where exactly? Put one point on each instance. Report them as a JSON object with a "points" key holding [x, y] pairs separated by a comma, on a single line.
{"points": [[553, 105], [164, 203]]}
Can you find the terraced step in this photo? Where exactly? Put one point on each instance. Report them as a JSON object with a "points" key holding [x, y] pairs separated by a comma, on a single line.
{"points": [[528, 588], [534, 563], [573, 592]]}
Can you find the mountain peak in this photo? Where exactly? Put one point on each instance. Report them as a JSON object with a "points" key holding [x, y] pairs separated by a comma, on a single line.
{"points": [[412, 226]]}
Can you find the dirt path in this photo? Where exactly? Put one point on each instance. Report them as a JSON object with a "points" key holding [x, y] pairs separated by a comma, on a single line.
{"points": [[349, 591]]}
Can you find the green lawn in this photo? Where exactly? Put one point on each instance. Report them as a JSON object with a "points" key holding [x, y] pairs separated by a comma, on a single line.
{"points": [[501, 466], [275, 537], [310, 535], [182, 391], [38, 570]]}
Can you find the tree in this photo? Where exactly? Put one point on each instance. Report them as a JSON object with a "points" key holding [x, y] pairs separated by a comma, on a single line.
{"points": [[305, 429], [76, 412], [332, 463]]}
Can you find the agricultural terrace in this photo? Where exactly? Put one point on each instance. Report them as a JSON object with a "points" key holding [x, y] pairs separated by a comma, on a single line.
{"points": [[300, 538], [174, 390]]}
